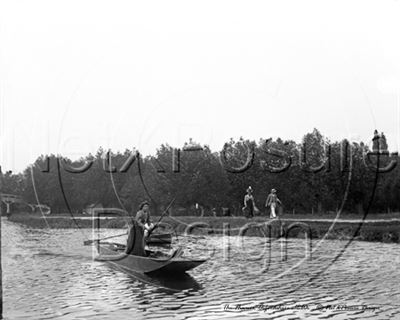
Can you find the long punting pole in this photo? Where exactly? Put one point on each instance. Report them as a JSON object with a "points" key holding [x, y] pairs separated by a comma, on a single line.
{"points": [[1, 268]]}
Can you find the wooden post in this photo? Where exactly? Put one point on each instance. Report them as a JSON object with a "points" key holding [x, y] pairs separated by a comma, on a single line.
{"points": [[1, 268]]}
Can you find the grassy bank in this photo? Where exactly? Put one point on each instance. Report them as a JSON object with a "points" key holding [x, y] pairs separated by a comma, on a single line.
{"points": [[383, 228]]}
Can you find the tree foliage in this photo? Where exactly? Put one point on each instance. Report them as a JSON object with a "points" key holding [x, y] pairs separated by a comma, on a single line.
{"points": [[316, 175]]}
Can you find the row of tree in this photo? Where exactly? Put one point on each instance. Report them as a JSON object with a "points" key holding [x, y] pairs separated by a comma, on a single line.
{"points": [[316, 175]]}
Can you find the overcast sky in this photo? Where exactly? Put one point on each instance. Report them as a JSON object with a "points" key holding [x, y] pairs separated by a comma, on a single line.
{"points": [[76, 75]]}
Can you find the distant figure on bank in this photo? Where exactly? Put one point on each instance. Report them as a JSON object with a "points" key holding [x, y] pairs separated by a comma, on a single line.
{"points": [[379, 143], [272, 202], [143, 219], [226, 212], [249, 204], [375, 141], [383, 144]]}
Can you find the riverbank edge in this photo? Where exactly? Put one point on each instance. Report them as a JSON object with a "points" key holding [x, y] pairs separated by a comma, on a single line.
{"points": [[387, 231]]}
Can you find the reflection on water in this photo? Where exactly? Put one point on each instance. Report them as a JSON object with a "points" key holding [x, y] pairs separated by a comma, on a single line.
{"points": [[49, 274], [173, 283]]}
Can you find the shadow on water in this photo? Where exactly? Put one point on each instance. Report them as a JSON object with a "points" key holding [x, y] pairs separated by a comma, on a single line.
{"points": [[176, 282], [164, 282]]}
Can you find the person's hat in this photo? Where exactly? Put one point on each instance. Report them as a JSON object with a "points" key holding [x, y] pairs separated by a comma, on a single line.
{"points": [[143, 204]]}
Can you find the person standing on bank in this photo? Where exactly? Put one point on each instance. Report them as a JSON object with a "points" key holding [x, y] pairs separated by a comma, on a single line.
{"points": [[143, 218], [383, 146], [272, 202], [376, 141], [249, 204]]}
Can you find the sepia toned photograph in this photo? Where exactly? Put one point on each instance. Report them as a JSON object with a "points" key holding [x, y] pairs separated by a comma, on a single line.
{"points": [[199, 159]]}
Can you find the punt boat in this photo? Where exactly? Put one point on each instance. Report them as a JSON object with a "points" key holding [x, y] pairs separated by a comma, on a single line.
{"points": [[151, 262], [134, 257]]}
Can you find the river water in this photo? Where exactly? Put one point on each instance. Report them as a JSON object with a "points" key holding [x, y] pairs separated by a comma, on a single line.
{"points": [[49, 274]]}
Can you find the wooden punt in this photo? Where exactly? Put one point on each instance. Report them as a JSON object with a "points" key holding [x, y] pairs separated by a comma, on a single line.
{"points": [[153, 262]]}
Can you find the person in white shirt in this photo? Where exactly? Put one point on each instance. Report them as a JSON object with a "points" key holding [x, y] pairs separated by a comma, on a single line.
{"points": [[272, 202], [143, 218]]}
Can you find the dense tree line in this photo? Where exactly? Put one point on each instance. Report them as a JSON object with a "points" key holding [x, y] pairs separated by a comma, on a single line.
{"points": [[316, 175]]}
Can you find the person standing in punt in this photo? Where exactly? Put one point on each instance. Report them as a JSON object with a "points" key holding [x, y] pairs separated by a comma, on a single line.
{"points": [[272, 202], [143, 219], [139, 229]]}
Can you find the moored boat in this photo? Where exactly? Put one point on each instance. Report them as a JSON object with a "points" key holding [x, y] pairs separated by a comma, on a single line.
{"points": [[160, 239]]}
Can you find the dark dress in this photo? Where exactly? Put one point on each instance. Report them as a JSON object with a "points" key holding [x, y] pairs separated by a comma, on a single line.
{"points": [[250, 206], [375, 142], [135, 243]]}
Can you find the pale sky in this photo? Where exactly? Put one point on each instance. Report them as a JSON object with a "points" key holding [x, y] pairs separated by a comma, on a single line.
{"points": [[76, 75]]}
